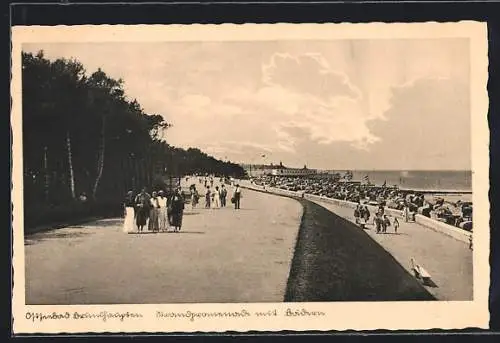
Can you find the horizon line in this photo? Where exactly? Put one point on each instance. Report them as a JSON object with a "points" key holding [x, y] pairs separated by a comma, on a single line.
{"points": [[356, 169]]}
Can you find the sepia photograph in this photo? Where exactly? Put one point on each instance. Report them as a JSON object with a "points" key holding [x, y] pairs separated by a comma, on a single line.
{"points": [[226, 166]]}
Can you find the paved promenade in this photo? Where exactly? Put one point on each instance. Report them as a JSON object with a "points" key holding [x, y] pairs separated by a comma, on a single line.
{"points": [[220, 256], [449, 261]]}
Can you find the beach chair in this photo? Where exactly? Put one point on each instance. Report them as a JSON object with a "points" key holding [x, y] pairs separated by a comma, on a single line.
{"points": [[419, 272]]}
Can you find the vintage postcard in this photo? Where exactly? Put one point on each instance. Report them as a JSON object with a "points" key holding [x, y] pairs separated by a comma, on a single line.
{"points": [[211, 178]]}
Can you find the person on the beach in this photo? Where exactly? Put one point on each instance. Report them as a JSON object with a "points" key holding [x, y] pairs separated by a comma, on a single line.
{"points": [[143, 204], [177, 204], [237, 197]]}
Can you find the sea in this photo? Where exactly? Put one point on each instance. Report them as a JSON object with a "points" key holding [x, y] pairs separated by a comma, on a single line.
{"points": [[439, 180]]}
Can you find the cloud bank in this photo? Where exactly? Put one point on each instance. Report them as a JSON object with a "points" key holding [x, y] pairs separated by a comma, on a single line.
{"points": [[340, 104]]}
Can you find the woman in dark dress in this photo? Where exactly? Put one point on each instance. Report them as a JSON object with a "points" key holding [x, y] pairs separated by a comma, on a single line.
{"points": [[143, 205], [177, 206]]}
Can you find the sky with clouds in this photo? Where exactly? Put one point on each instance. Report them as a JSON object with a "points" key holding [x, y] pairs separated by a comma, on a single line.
{"points": [[330, 104]]}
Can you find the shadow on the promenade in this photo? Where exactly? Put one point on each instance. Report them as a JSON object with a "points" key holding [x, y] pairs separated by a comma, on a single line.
{"points": [[166, 232], [101, 223], [48, 235]]}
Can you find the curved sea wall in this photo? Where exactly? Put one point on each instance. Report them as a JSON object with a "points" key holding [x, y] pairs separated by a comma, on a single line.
{"points": [[429, 223]]}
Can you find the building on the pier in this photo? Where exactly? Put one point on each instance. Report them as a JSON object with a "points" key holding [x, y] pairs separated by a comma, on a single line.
{"points": [[281, 170]]}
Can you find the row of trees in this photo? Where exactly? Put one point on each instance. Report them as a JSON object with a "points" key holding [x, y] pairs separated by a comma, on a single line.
{"points": [[81, 135]]}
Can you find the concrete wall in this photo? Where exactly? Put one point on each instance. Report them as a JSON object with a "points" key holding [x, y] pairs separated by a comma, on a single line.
{"points": [[429, 223]]}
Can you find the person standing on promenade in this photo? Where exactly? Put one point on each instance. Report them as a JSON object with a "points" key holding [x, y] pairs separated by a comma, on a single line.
{"points": [[216, 197], [406, 213], [378, 221], [223, 195], [237, 197], [366, 214], [207, 197], [177, 204], [162, 212], [396, 224], [385, 223], [128, 225], [143, 203], [381, 209], [153, 213], [356, 214], [194, 197]]}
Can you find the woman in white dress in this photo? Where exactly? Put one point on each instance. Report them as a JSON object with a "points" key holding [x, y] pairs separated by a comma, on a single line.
{"points": [[216, 197], [129, 224], [162, 211]]}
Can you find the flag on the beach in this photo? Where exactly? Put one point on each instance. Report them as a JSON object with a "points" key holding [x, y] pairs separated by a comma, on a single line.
{"points": [[384, 184]]}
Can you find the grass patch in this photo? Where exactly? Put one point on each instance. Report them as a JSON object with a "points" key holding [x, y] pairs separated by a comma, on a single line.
{"points": [[335, 260]]}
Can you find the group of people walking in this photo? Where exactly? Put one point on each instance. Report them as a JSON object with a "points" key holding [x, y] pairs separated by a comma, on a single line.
{"points": [[156, 212], [215, 197], [162, 212], [381, 221]]}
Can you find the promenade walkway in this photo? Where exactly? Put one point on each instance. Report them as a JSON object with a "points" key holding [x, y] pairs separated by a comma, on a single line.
{"points": [[219, 256], [448, 260]]}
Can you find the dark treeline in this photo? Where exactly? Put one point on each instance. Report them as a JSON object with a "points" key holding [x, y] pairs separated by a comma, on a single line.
{"points": [[81, 135]]}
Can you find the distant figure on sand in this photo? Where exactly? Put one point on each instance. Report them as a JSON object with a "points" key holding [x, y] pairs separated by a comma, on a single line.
{"points": [[237, 197], [177, 204], [143, 203], [129, 225]]}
